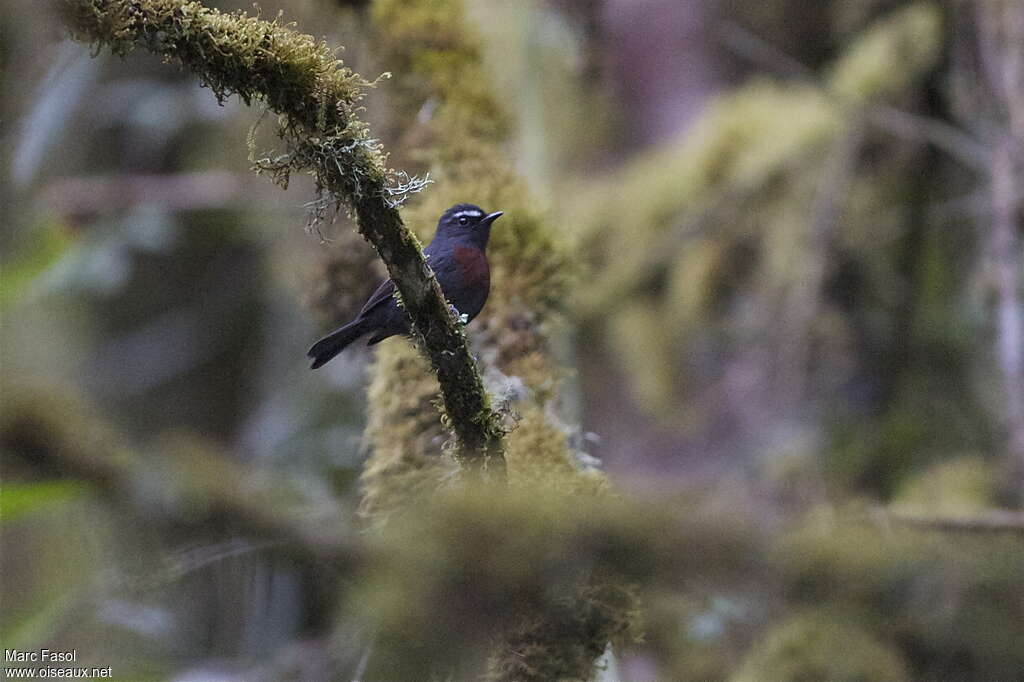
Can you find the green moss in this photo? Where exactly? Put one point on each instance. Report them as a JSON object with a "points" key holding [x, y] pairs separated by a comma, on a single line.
{"points": [[717, 235], [539, 457], [964, 484], [647, 345], [428, 43], [444, 529], [404, 432], [545, 573], [710, 218], [951, 602], [437, 58], [891, 54], [822, 645], [316, 99], [34, 422], [180, 477], [437, 55], [696, 280], [555, 629], [233, 54], [832, 558], [967, 609], [743, 138], [564, 642]]}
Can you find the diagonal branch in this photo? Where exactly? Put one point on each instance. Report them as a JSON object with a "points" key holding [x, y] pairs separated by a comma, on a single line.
{"points": [[183, 482], [316, 98], [902, 124]]}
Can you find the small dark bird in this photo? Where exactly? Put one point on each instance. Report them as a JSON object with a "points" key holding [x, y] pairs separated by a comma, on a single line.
{"points": [[456, 255]]}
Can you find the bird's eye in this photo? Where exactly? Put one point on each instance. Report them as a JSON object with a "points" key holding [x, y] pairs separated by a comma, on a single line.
{"points": [[463, 221]]}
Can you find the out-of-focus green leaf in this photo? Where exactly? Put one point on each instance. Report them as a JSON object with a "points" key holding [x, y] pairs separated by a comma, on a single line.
{"points": [[21, 499], [48, 245]]}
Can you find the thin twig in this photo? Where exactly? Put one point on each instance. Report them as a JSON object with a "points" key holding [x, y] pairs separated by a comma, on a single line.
{"points": [[364, 661]]}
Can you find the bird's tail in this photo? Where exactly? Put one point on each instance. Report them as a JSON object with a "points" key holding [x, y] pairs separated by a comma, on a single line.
{"points": [[335, 342]]}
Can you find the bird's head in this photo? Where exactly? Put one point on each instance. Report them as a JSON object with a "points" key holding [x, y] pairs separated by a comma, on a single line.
{"points": [[467, 221]]}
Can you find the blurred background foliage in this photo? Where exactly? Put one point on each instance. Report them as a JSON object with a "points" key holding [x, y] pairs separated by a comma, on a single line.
{"points": [[761, 263]]}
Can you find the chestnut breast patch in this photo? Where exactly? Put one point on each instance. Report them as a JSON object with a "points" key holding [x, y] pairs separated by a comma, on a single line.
{"points": [[472, 264]]}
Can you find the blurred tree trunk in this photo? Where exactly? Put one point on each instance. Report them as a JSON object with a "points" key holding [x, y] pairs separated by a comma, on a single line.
{"points": [[1000, 54]]}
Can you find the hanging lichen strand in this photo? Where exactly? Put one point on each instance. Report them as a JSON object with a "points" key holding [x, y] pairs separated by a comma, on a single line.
{"points": [[315, 97]]}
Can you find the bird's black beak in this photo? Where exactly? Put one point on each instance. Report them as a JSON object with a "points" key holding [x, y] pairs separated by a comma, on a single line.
{"points": [[488, 219]]}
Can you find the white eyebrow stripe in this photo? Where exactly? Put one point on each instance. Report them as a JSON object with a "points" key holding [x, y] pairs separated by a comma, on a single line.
{"points": [[470, 213]]}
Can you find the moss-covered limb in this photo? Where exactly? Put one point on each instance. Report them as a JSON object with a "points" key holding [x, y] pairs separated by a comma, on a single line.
{"points": [[476, 426], [316, 98], [863, 78], [876, 577], [726, 210], [823, 645], [758, 135], [436, 56], [436, 53], [185, 480], [555, 575], [405, 464], [231, 54], [563, 643], [527, 582]]}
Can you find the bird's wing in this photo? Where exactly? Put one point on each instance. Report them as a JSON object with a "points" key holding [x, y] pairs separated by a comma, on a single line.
{"points": [[383, 294], [386, 290]]}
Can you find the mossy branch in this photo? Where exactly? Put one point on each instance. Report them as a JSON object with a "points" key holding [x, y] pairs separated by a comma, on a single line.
{"points": [[185, 481], [316, 98], [988, 521]]}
